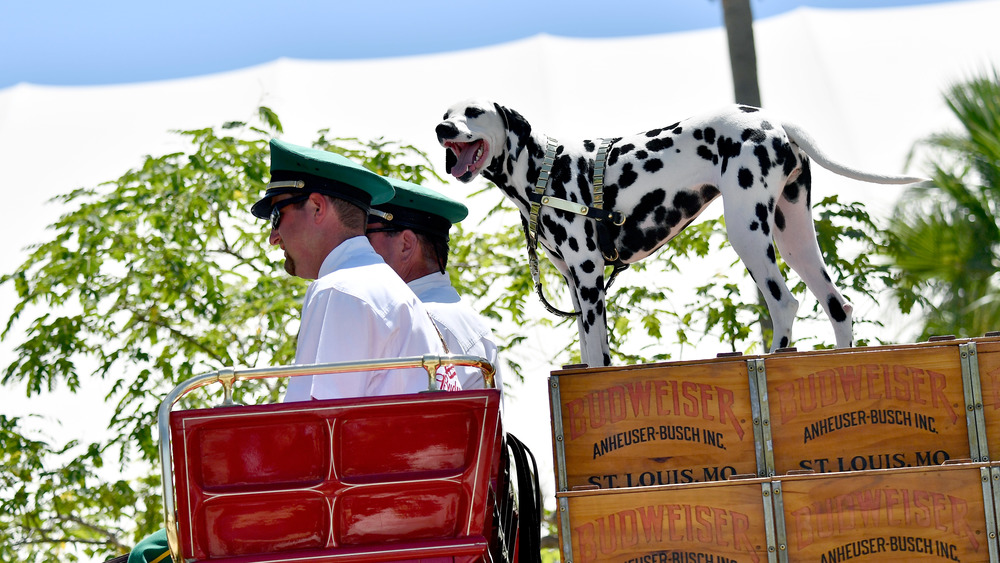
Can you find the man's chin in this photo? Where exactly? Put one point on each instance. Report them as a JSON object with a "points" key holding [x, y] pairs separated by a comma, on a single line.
{"points": [[290, 265]]}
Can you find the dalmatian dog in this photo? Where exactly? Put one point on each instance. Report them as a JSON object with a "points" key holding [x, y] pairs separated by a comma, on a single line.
{"points": [[659, 181]]}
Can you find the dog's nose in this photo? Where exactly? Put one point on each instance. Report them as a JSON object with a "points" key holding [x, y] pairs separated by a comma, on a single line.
{"points": [[446, 131]]}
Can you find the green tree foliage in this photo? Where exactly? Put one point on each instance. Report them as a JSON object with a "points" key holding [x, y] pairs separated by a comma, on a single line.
{"points": [[945, 237], [162, 274]]}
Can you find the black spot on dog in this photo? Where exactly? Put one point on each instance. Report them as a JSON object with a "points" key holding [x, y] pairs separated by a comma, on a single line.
{"points": [[589, 146], [657, 145], [784, 342], [688, 202], [697, 134], [607, 359], [763, 158], [588, 266], [784, 156], [573, 245], [555, 229], [473, 111], [628, 176], [826, 276], [710, 135], [770, 204], [599, 307], [761, 211], [745, 178], [766, 125], [708, 192], [755, 135], [770, 254], [754, 225], [652, 165], [775, 290], [591, 317], [749, 109], [641, 155], [728, 148], [779, 219], [791, 192], [672, 218], [836, 309], [590, 294], [626, 148], [653, 132], [676, 130], [559, 176], [591, 237], [706, 153]]}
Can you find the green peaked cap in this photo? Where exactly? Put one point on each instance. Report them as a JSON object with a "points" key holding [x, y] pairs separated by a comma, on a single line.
{"points": [[420, 209], [296, 170]]}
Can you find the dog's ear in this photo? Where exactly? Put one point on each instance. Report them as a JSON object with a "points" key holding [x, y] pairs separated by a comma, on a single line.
{"points": [[503, 115]]}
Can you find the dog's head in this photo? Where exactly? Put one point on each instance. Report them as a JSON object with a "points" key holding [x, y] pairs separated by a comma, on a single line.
{"points": [[473, 134]]}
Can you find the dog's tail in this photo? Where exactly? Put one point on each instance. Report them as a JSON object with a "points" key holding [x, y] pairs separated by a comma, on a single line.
{"points": [[808, 145]]}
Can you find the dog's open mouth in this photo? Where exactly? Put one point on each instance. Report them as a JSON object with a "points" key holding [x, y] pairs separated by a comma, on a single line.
{"points": [[469, 158]]}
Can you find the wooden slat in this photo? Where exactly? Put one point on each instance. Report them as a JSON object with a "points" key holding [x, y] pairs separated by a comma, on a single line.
{"points": [[721, 521], [989, 379], [653, 425], [896, 515], [863, 409]]}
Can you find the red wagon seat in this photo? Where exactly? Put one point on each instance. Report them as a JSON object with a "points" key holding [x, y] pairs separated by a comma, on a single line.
{"points": [[398, 478]]}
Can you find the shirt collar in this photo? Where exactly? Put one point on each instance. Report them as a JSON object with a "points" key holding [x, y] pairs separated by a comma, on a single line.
{"points": [[346, 250]]}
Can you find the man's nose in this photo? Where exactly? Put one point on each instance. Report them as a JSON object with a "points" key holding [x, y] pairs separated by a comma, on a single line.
{"points": [[273, 238]]}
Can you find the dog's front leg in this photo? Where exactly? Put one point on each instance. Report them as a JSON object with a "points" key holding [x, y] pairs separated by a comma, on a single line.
{"points": [[588, 299]]}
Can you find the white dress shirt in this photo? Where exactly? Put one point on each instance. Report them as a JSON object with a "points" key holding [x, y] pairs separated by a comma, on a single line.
{"points": [[359, 309], [462, 328]]}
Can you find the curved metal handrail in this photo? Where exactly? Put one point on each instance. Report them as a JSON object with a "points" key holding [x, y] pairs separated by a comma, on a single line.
{"points": [[229, 376]]}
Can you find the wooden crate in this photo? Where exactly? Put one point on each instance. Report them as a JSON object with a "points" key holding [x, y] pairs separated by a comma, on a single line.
{"points": [[712, 521], [867, 408], [988, 352], [655, 424], [894, 515]]}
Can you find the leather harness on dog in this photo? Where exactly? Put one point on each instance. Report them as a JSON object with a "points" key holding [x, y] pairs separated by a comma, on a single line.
{"points": [[595, 211]]}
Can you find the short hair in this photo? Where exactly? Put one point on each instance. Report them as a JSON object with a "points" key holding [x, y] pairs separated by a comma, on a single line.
{"points": [[437, 246], [353, 217]]}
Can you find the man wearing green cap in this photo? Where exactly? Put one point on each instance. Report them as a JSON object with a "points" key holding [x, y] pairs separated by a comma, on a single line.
{"points": [[411, 233], [356, 308]]}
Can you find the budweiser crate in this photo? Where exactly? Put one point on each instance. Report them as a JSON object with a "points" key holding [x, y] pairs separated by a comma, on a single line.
{"points": [[868, 408], [712, 521], [988, 352], [656, 424], [895, 515]]}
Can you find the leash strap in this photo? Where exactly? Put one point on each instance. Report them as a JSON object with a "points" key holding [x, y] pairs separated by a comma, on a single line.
{"points": [[531, 234], [595, 211]]}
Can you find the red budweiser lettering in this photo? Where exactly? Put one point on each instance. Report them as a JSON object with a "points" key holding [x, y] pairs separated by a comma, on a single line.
{"points": [[847, 384], [867, 509], [662, 524], [642, 399]]}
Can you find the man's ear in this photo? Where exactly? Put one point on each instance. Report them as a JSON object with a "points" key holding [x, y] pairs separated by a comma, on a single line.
{"points": [[318, 206], [411, 246]]}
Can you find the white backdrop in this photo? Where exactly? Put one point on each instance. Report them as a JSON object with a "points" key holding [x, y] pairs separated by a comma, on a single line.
{"points": [[866, 84]]}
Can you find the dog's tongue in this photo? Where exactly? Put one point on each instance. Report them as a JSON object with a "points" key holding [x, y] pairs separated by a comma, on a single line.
{"points": [[466, 159]]}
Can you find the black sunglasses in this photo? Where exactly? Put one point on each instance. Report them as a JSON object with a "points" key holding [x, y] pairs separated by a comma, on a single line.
{"points": [[276, 209]]}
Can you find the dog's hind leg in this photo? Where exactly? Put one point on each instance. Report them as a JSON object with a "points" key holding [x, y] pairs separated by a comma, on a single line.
{"points": [[795, 235], [749, 225]]}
